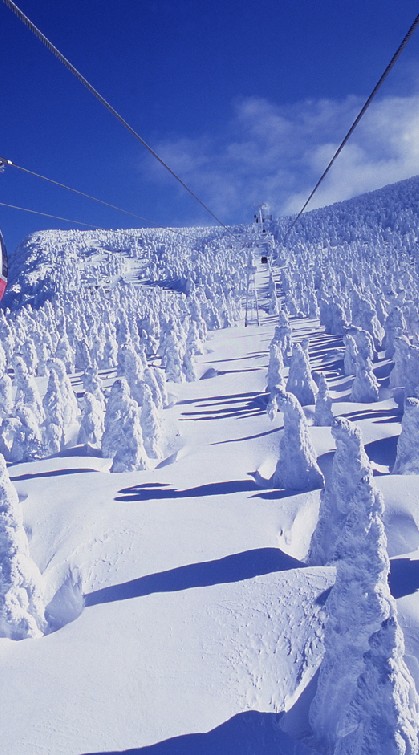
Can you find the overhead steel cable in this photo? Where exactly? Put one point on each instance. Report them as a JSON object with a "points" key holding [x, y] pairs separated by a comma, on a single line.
{"points": [[361, 113], [46, 214], [76, 191], [5, 162], [59, 55]]}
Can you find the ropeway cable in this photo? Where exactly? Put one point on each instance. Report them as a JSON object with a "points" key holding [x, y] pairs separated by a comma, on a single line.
{"points": [[5, 162], [75, 191], [361, 113], [45, 214], [59, 55]]}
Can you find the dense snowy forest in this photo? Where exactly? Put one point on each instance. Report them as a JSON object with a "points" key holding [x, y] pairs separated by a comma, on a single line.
{"points": [[210, 532]]}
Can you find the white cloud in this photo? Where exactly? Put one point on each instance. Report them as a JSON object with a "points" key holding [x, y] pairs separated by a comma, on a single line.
{"points": [[276, 154]]}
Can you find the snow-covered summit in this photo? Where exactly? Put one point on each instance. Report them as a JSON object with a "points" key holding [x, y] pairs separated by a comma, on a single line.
{"points": [[49, 260]]}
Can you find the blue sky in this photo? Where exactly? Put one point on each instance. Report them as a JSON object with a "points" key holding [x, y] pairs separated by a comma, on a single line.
{"points": [[246, 99]]}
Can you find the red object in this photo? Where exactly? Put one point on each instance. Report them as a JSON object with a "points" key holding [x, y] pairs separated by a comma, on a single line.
{"points": [[3, 284]]}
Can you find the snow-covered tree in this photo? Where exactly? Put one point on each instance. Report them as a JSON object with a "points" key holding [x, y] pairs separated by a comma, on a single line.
{"points": [[66, 391], [395, 326], [193, 341], [283, 336], [27, 393], [65, 353], [122, 438], [274, 304], [134, 373], [130, 454], [332, 315], [54, 409], [160, 377], [118, 397], [351, 355], [384, 713], [365, 345], [92, 383], [151, 425], [21, 594], [6, 394], [3, 360], [359, 649], [401, 358], [110, 350], [92, 422], [173, 358], [300, 380], [152, 382], [407, 459], [27, 436], [297, 468], [365, 385], [275, 368], [188, 366], [323, 415], [84, 356], [350, 465], [29, 356]]}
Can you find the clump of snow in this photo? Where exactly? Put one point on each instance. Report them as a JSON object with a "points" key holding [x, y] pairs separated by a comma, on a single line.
{"points": [[358, 704], [21, 599], [323, 414], [300, 380], [275, 368], [283, 337], [92, 422], [365, 385], [350, 465], [407, 460], [297, 468]]}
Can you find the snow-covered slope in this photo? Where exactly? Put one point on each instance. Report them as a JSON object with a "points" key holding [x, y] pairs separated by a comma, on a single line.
{"points": [[89, 258], [185, 612], [386, 216]]}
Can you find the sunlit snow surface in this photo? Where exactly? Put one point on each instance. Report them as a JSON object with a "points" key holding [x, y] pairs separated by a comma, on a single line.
{"points": [[183, 616]]}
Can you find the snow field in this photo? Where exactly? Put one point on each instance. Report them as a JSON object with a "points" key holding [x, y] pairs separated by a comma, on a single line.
{"points": [[183, 589]]}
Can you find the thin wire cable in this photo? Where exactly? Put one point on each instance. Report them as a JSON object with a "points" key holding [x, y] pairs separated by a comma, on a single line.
{"points": [[356, 121], [38, 33], [5, 162], [77, 191], [45, 214]]}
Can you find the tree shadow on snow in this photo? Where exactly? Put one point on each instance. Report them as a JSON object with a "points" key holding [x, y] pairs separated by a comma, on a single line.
{"points": [[259, 399], [236, 372], [343, 385], [220, 399], [234, 408], [233, 568], [387, 415], [383, 451], [331, 370], [249, 733], [382, 370], [226, 413], [157, 491], [252, 355], [246, 437], [51, 473], [404, 577]]}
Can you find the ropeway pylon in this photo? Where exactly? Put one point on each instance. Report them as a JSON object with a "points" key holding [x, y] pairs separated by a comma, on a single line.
{"points": [[252, 305]]}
